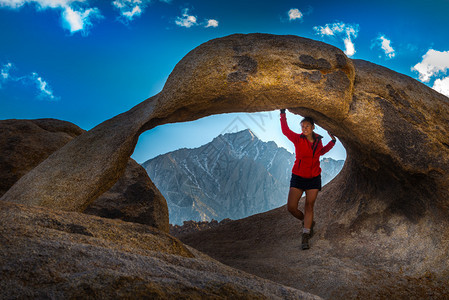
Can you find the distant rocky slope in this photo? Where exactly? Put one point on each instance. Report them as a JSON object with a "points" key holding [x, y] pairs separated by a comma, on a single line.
{"points": [[330, 168], [383, 222], [234, 176], [194, 226]]}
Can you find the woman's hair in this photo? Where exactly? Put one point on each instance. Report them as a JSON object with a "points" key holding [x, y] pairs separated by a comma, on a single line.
{"points": [[308, 119]]}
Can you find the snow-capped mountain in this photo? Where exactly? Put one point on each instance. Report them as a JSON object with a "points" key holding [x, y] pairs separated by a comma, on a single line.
{"points": [[234, 176]]}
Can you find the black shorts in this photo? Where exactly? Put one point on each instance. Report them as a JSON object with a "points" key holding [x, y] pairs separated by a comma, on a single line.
{"points": [[305, 183]]}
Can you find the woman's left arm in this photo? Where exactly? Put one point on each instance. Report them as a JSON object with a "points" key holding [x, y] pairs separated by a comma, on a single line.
{"points": [[329, 145]]}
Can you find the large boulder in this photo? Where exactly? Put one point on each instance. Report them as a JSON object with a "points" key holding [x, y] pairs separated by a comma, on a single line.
{"points": [[387, 210], [24, 144]]}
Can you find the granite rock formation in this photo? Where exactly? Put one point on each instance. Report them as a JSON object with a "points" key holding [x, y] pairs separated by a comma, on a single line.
{"points": [[133, 198], [357, 261], [388, 210], [26, 143], [47, 254]]}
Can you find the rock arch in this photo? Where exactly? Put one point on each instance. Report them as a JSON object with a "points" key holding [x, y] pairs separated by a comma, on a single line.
{"points": [[395, 129]]}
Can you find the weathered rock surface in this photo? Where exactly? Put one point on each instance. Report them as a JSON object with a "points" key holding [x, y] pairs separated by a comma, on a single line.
{"points": [[378, 261], [388, 210], [134, 198], [47, 254], [26, 143]]}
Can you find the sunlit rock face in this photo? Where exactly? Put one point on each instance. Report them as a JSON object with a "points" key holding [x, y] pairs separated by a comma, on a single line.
{"points": [[388, 209]]}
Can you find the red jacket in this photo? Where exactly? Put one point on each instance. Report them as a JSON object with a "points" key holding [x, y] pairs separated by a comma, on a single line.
{"points": [[307, 163]]}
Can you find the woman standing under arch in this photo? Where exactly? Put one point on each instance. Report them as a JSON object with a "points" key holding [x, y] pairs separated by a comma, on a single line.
{"points": [[306, 172]]}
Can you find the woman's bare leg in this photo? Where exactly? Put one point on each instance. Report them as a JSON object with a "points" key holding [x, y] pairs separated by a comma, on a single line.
{"points": [[294, 195], [308, 207]]}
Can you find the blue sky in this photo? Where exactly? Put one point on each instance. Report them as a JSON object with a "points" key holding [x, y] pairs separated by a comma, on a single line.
{"points": [[87, 61]]}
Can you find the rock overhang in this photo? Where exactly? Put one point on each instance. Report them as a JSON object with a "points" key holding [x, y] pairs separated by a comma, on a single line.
{"points": [[260, 72]]}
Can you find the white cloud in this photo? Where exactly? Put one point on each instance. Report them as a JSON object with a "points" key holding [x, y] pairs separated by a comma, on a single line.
{"points": [[4, 71], [44, 90], [130, 8], [186, 20], [43, 4], [349, 46], [12, 3], [294, 14], [332, 29], [75, 18], [340, 30], [324, 30], [433, 63], [386, 46], [79, 20], [136, 11], [442, 86], [212, 23]]}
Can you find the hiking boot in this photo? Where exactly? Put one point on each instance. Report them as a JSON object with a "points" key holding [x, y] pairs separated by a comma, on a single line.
{"points": [[305, 241], [311, 228]]}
